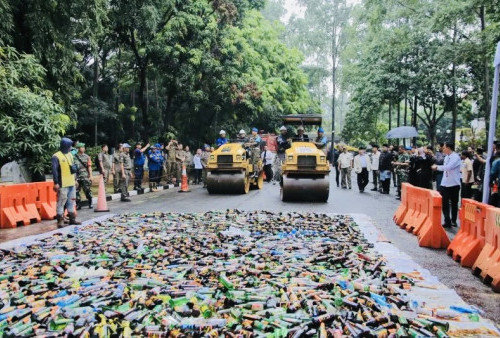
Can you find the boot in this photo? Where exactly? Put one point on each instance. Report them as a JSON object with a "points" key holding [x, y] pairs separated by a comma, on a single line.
{"points": [[60, 221], [72, 219]]}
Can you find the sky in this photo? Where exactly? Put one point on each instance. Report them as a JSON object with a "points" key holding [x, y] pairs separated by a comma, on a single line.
{"points": [[293, 9]]}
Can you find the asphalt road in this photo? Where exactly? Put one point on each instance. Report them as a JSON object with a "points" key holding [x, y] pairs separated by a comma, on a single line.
{"points": [[379, 207]]}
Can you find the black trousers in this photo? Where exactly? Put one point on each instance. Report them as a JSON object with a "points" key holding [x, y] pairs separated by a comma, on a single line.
{"points": [[466, 190], [197, 176], [386, 186], [375, 178], [450, 197], [138, 175], [337, 174], [268, 170], [363, 179]]}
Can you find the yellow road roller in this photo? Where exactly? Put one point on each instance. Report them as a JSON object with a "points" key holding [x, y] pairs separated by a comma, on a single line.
{"points": [[305, 168], [230, 171]]}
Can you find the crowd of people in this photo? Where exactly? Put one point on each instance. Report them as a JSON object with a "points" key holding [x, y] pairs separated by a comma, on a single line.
{"points": [[454, 175]]}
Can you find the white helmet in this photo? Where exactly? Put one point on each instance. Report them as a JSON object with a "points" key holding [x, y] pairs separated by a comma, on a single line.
{"points": [[222, 132], [242, 132], [282, 128]]}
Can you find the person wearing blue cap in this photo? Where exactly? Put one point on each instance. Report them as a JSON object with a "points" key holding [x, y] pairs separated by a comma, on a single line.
{"points": [[64, 175], [139, 161], [253, 146], [321, 139], [155, 163]]}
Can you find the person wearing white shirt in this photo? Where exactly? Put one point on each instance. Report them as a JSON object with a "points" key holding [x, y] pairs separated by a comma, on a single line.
{"points": [[198, 167], [467, 174], [267, 159], [375, 162], [362, 165], [450, 184], [345, 166]]}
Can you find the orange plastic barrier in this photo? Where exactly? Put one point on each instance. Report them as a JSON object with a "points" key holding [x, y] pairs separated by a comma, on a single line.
{"points": [[487, 264], [403, 207], [46, 199], [431, 234], [469, 241], [17, 206], [413, 207], [422, 216]]}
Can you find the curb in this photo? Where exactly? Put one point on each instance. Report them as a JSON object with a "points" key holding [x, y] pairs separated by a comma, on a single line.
{"points": [[115, 197]]}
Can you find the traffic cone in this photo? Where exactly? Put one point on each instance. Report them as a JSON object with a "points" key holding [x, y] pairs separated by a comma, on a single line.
{"points": [[184, 180], [102, 203]]}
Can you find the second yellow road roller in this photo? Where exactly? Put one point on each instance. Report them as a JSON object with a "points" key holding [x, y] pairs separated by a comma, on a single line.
{"points": [[305, 170], [230, 171]]}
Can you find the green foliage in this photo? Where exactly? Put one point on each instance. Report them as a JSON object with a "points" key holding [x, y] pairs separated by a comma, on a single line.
{"points": [[31, 123], [417, 50]]}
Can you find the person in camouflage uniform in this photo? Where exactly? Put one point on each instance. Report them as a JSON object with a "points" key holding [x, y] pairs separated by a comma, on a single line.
{"points": [[83, 175], [402, 168], [126, 166]]}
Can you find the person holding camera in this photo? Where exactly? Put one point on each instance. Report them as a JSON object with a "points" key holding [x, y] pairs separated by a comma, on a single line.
{"points": [[64, 172]]}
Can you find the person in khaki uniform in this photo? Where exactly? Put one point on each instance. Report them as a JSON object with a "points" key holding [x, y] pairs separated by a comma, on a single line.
{"points": [[253, 147], [104, 165], [205, 156], [171, 161], [116, 168], [180, 158], [126, 165]]}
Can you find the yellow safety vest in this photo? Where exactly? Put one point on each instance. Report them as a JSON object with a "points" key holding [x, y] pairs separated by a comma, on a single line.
{"points": [[65, 161]]}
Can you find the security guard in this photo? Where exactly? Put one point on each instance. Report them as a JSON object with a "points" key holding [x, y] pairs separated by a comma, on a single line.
{"points": [[253, 145], [126, 167], [83, 175], [104, 163], [180, 158], [222, 139], [171, 162], [205, 156], [283, 143], [116, 168], [321, 140]]}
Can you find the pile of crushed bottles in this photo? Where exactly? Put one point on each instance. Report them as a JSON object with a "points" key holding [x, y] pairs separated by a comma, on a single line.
{"points": [[228, 273]]}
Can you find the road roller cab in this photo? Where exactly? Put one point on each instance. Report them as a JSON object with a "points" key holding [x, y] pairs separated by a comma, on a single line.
{"points": [[230, 171], [305, 169]]}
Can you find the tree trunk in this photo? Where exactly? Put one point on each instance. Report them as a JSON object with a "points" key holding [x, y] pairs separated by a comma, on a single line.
{"points": [[168, 108], [143, 101], [399, 117], [414, 117], [406, 116], [390, 115]]}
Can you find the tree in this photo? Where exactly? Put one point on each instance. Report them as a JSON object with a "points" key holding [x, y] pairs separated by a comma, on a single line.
{"points": [[31, 123]]}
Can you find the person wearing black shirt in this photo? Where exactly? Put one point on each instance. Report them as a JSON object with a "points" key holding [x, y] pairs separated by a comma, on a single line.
{"points": [[385, 167]]}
